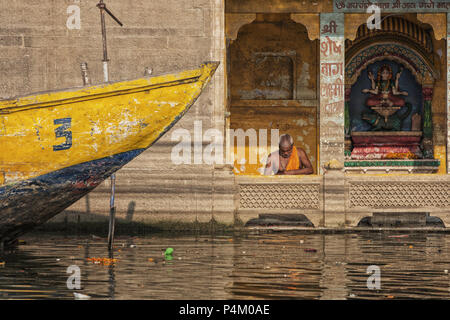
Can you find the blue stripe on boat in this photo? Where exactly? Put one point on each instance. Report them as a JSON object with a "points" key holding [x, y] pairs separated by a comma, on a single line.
{"points": [[31, 202]]}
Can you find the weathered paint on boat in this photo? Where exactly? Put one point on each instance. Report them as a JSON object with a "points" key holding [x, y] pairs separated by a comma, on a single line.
{"points": [[58, 146]]}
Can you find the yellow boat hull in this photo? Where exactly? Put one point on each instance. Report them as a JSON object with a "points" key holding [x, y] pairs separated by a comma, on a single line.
{"points": [[58, 146]]}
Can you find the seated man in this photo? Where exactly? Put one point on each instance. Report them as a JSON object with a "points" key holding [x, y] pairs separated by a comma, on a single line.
{"points": [[288, 160]]}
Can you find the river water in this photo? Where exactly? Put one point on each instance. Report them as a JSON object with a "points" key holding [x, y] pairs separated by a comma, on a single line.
{"points": [[284, 265]]}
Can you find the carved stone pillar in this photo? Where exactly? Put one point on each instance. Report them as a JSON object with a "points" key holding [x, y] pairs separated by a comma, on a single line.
{"points": [[334, 194], [448, 92], [332, 124], [427, 93], [332, 65], [347, 123]]}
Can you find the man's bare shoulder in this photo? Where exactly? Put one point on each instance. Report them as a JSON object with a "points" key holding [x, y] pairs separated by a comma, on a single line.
{"points": [[300, 151]]}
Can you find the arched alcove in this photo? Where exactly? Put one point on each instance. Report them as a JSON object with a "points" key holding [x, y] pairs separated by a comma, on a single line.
{"points": [[272, 84], [398, 124]]}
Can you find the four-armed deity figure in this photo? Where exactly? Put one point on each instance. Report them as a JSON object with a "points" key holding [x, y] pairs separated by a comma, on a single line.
{"points": [[385, 92]]}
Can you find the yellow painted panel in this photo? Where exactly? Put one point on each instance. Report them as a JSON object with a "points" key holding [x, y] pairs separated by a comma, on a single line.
{"points": [[440, 153]]}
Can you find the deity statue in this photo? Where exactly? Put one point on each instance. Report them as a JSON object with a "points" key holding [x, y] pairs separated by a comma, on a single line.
{"points": [[385, 100], [386, 109], [385, 92]]}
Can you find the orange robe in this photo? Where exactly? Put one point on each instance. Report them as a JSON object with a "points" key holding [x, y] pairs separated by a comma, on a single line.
{"points": [[294, 161]]}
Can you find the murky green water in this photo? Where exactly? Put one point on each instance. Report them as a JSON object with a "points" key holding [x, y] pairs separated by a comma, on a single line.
{"points": [[267, 266]]}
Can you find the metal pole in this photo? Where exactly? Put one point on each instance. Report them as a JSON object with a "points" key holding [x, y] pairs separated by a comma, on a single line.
{"points": [[112, 208], [112, 213], [112, 277], [102, 7]]}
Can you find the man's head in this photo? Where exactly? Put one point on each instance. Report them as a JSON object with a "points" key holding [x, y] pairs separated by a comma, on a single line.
{"points": [[286, 144]]}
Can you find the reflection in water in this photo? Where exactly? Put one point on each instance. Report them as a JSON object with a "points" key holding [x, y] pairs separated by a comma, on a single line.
{"points": [[265, 266], [112, 278]]}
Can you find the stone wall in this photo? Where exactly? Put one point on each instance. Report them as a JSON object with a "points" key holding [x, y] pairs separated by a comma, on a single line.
{"points": [[38, 52], [402, 193]]}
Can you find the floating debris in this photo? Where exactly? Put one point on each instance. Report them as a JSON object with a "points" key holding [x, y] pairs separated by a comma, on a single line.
{"points": [[168, 254], [2, 263], [103, 261], [80, 296], [310, 250]]}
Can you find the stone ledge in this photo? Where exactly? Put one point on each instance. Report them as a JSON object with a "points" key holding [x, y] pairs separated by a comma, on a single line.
{"points": [[392, 166], [300, 179], [393, 163]]}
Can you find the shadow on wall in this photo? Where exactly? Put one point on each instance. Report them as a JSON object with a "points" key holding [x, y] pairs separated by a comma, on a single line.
{"points": [[130, 211]]}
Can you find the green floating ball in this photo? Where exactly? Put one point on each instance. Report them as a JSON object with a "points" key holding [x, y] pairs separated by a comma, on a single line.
{"points": [[168, 257], [168, 252]]}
